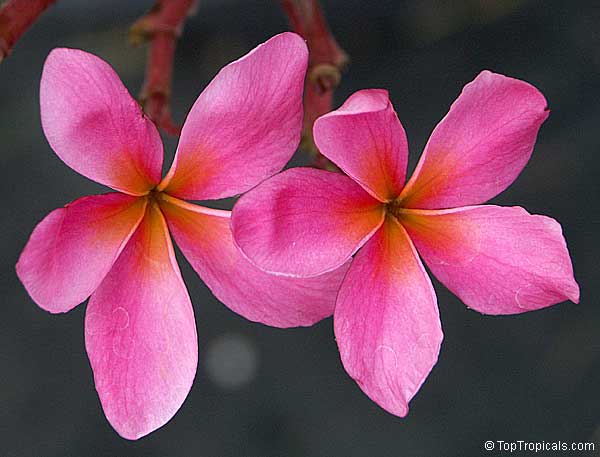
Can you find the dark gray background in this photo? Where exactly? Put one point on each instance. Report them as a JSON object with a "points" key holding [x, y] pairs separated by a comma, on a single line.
{"points": [[264, 392]]}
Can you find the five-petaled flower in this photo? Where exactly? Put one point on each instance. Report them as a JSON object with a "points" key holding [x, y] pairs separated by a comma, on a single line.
{"points": [[140, 331], [497, 260]]}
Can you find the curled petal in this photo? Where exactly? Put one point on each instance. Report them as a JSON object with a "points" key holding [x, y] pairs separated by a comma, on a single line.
{"points": [[496, 260], [204, 237], [244, 126], [304, 222], [94, 125], [73, 248], [140, 333], [386, 320], [480, 147], [367, 141]]}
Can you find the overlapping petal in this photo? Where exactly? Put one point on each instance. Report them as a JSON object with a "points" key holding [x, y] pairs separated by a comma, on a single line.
{"points": [[480, 147], [73, 248], [304, 222], [496, 260], [140, 333], [245, 125], [204, 236], [386, 320], [367, 141], [94, 125]]}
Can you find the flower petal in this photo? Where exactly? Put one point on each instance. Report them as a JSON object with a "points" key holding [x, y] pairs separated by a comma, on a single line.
{"points": [[244, 126], [496, 260], [367, 141], [73, 248], [140, 333], [386, 320], [94, 125], [304, 222], [480, 147], [204, 236]]}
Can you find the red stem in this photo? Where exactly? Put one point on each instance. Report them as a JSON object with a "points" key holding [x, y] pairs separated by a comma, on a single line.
{"points": [[326, 62], [16, 16], [162, 26]]}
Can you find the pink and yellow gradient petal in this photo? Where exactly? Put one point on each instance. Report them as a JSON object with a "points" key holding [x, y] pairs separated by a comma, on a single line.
{"points": [[204, 236], [95, 126], [304, 222], [497, 260], [140, 333], [244, 126], [480, 147], [386, 320], [73, 248], [367, 141]]}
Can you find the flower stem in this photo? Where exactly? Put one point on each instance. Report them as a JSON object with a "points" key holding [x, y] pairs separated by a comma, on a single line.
{"points": [[326, 62], [161, 26], [16, 16]]}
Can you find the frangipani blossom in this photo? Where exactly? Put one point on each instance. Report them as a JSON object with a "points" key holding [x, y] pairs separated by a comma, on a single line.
{"points": [[140, 331], [304, 222]]}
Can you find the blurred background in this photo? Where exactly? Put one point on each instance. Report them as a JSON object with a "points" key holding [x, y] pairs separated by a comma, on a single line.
{"points": [[262, 391]]}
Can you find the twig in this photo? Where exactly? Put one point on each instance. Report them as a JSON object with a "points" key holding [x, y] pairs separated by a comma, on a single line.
{"points": [[16, 16], [326, 62], [162, 26]]}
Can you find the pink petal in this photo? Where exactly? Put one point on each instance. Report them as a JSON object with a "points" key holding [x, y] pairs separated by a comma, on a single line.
{"points": [[94, 125], [204, 237], [386, 320], [304, 222], [140, 334], [496, 260], [366, 140], [245, 125], [480, 147], [73, 248]]}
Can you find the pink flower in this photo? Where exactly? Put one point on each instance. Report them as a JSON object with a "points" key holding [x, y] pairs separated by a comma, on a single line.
{"points": [[304, 222], [140, 332]]}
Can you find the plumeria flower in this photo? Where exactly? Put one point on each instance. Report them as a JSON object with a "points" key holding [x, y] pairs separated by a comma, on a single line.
{"points": [[497, 260], [140, 332]]}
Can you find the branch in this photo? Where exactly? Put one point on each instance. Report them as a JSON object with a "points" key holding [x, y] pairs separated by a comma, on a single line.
{"points": [[326, 62], [162, 26], [16, 16]]}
